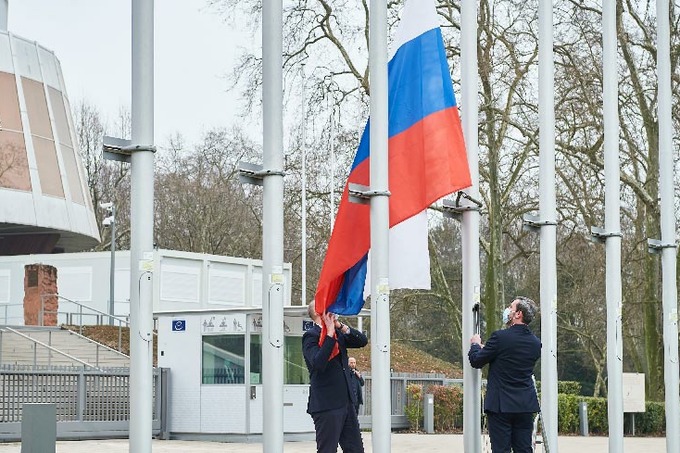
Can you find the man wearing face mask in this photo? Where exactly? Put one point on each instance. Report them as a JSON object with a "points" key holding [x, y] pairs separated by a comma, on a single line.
{"points": [[511, 399]]}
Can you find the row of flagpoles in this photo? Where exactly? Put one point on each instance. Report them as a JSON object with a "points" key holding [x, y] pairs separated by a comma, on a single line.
{"points": [[547, 225]]}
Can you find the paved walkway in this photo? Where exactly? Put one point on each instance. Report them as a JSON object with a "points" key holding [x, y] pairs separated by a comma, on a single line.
{"points": [[401, 443]]}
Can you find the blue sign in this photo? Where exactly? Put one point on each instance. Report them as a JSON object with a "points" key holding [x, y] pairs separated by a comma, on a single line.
{"points": [[306, 325], [179, 325]]}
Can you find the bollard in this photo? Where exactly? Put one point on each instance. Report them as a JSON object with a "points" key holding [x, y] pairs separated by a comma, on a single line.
{"points": [[39, 428], [428, 413], [583, 418]]}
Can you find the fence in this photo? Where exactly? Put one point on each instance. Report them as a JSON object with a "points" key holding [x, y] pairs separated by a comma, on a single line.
{"points": [[90, 403], [399, 396]]}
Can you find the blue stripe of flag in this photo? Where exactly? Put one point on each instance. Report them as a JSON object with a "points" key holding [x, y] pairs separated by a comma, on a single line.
{"points": [[411, 98]]}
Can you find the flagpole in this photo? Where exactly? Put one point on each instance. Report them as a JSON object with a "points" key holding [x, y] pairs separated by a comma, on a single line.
{"points": [[547, 221], [668, 239], [612, 227], [272, 227], [380, 293], [303, 209], [472, 378], [332, 164], [141, 226]]}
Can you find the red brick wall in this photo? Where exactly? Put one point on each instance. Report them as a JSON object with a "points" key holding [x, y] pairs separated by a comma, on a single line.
{"points": [[40, 280]]}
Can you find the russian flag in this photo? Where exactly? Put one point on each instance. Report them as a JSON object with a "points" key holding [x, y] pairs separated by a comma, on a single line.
{"points": [[427, 161]]}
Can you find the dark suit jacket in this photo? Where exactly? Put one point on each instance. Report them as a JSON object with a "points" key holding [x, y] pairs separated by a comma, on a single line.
{"points": [[357, 383], [511, 354], [329, 386]]}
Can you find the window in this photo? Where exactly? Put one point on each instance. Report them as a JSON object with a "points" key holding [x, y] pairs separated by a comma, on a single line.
{"points": [[224, 359], [255, 359], [295, 369]]}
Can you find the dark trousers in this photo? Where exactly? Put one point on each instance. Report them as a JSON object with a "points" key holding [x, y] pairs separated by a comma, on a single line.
{"points": [[511, 431], [338, 426]]}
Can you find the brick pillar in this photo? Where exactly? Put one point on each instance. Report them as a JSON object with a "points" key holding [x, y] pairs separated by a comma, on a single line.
{"points": [[39, 280]]}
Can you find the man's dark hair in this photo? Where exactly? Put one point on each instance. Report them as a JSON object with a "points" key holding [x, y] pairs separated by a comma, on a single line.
{"points": [[528, 308]]}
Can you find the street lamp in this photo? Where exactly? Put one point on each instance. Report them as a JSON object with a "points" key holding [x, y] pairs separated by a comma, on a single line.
{"points": [[110, 222]]}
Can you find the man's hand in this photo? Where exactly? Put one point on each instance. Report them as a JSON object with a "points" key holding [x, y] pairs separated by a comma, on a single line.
{"points": [[476, 339], [329, 320]]}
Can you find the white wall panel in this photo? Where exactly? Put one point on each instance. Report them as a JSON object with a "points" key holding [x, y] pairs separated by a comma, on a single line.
{"points": [[180, 283], [223, 409], [51, 212], [17, 207], [75, 283], [226, 288], [257, 288], [5, 282], [180, 351], [49, 66], [295, 416], [6, 63], [27, 58], [256, 411]]}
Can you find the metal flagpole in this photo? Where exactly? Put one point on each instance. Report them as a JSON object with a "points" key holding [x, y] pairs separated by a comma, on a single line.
{"points": [[112, 270], [612, 227], [380, 291], [547, 221], [472, 398], [668, 245], [303, 209], [141, 228], [332, 172], [272, 226]]}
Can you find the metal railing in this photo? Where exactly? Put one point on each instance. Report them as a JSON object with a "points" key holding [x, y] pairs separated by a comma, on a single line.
{"points": [[14, 320], [97, 400], [50, 350], [83, 311], [43, 352]]}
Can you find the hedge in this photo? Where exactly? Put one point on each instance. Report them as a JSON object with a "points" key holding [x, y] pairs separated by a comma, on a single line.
{"points": [[448, 410], [652, 421]]}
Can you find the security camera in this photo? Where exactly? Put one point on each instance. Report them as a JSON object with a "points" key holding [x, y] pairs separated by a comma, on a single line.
{"points": [[108, 205], [107, 222]]}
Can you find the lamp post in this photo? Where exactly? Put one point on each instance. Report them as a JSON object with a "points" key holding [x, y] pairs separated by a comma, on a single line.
{"points": [[110, 221]]}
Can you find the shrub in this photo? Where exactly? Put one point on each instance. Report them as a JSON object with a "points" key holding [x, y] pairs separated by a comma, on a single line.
{"points": [[448, 407], [569, 387], [414, 405], [598, 423], [653, 420], [567, 413]]}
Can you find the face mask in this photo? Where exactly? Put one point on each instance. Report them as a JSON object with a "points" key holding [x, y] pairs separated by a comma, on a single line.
{"points": [[506, 315]]}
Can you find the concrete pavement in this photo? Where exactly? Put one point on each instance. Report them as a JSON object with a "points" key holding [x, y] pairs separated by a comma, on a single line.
{"points": [[401, 443]]}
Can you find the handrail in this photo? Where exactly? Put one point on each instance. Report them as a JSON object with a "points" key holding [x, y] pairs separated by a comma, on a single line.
{"points": [[6, 309], [101, 345], [82, 305], [68, 356], [95, 312]]}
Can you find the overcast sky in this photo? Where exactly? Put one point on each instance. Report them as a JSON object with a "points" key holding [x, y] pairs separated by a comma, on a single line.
{"points": [[194, 51]]}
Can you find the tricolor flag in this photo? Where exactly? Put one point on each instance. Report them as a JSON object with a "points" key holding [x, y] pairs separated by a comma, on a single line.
{"points": [[427, 161]]}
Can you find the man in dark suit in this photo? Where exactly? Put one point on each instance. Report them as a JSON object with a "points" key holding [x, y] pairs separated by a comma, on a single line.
{"points": [[357, 382], [511, 399], [331, 397]]}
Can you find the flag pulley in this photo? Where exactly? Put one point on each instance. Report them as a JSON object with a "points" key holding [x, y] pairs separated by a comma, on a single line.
{"points": [[463, 202], [362, 194]]}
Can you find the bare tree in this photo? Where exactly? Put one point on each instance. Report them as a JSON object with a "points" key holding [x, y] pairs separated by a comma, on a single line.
{"points": [[108, 181]]}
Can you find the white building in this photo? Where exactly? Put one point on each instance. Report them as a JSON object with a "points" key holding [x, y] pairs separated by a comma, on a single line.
{"points": [[209, 319]]}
